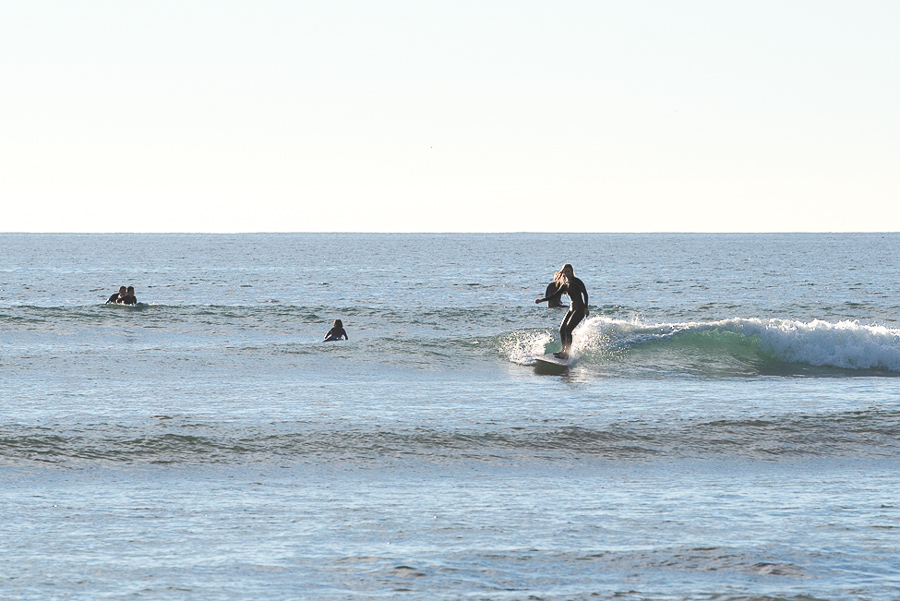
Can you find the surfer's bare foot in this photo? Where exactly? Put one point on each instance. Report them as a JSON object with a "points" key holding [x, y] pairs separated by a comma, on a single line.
{"points": [[561, 355]]}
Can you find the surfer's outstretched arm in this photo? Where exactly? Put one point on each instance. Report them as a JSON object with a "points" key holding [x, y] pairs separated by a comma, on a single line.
{"points": [[557, 294]]}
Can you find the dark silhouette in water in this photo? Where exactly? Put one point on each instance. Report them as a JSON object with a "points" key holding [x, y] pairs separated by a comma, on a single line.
{"points": [[129, 298], [554, 301], [336, 332], [116, 296]]}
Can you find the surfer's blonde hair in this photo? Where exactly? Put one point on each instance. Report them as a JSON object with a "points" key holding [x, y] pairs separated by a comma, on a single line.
{"points": [[562, 276]]}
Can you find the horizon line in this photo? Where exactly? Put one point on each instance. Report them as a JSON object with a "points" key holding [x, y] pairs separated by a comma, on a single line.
{"points": [[444, 233]]}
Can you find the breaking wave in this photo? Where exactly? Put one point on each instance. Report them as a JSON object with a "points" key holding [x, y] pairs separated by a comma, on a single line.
{"points": [[741, 343]]}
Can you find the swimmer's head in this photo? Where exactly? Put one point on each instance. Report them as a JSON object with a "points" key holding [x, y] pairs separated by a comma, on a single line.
{"points": [[338, 323], [122, 290], [130, 289]]}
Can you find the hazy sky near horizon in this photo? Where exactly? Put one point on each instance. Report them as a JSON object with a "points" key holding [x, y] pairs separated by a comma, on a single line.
{"points": [[412, 116]]}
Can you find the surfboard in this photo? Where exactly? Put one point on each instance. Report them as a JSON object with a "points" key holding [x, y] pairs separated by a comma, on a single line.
{"points": [[551, 359]]}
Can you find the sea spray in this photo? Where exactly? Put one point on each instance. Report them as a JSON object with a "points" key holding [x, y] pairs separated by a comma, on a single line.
{"points": [[522, 347]]}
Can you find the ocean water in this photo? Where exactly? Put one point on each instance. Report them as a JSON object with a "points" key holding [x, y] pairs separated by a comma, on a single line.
{"points": [[730, 430]]}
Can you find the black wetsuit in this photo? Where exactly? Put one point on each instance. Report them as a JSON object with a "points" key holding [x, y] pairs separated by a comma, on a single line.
{"points": [[578, 302], [128, 300], [335, 334], [112, 300]]}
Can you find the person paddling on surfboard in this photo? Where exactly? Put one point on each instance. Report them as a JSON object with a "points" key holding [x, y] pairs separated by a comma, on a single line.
{"points": [[337, 332], [568, 284], [129, 298]]}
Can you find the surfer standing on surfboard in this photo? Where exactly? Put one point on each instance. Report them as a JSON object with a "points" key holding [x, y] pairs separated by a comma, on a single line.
{"points": [[568, 284]]}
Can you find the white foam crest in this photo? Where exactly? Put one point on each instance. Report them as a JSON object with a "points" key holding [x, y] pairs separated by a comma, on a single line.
{"points": [[845, 344], [599, 334]]}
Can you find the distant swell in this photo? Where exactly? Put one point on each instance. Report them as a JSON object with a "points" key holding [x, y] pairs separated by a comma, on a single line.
{"points": [[873, 434]]}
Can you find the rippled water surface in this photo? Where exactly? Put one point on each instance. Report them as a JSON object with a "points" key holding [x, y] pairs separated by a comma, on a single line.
{"points": [[730, 429]]}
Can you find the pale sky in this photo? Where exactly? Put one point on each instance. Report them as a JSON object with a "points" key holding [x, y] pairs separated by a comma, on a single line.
{"points": [[454, 116]]}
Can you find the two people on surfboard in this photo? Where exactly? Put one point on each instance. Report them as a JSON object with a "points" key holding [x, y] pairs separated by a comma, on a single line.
{"points": [[566, 283], [125, 296]]}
